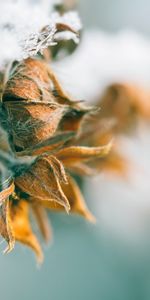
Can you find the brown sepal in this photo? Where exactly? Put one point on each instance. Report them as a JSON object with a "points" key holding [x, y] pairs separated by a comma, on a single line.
{"points": [[43, 179]]}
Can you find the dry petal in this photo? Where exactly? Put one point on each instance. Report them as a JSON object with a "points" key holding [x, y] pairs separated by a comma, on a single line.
{"points": [[42, 220], [125, 103], [49, 145], [47, 126], [31, 123], [115, 162], [76, 201], [19, 213], [6, 229], [73, 119], [29, 80], [76, 154], [4, 194], [42, 182], [35, 104], [82, 169]]}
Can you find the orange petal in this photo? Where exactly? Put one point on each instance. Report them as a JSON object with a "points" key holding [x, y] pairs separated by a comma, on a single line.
{"points": [[42, 220], [125, 102], [76, 200], [19, 213], [113, 163]]}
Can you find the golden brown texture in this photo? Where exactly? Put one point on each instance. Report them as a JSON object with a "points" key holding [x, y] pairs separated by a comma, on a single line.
{"points": [[44, 123]]}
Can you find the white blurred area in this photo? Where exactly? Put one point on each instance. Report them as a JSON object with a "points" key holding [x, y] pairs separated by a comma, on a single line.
{"points": [[103, 58], [121, 205]]}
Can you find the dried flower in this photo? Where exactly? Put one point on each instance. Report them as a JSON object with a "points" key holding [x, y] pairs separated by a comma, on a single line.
{"points": [[122, 107], [43, 124], [126, 104]]}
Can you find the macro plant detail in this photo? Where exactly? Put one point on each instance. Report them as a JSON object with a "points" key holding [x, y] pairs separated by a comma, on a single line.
{"points": [[48, 139], [42, 152]]}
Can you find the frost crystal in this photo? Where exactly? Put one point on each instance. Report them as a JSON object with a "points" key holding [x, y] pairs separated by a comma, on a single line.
{"points": [[28, 27]]}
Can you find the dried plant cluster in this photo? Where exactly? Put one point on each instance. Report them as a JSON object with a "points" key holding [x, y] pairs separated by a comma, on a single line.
{"points": [[124, 107], [47, 138], [44, 127]]}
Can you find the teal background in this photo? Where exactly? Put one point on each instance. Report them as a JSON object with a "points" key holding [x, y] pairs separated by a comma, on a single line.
{"points": [[83, 263], [116, 14]]}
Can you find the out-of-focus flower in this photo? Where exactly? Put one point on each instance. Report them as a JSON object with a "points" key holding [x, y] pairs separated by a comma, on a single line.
{"points": [[126, 104], [122, 107]]}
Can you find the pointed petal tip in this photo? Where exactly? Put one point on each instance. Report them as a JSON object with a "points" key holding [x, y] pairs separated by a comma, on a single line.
{"points": [[90, 217], [107, 147], [9, 248], [39, 258], [67, 208]]}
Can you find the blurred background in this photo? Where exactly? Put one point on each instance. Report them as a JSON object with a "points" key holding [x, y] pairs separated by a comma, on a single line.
{"points": [[109, 260], [115, 15]]}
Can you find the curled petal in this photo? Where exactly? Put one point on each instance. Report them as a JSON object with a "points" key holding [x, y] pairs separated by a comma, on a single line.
{"points": [[75, 154], [57, 167]]}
